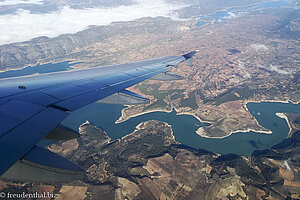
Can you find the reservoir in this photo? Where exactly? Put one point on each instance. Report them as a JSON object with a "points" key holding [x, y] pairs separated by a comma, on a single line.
{"points": [[40, 69], [232, 12], [184, 126]]}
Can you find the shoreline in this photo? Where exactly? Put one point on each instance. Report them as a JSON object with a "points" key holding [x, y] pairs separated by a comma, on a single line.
{"points": [[138, 114], [161, 110], [192, 114], [283, 116], [271, 101], [245, 102], [138, 127], [201, 130], [42, 63]]}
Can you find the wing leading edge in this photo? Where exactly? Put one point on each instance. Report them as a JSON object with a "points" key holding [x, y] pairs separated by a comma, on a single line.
{"points": [[32, 106]]}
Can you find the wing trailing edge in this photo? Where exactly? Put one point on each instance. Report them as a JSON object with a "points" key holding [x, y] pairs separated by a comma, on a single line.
{"points": [[62, 132], [125, 97], [166, 76]]}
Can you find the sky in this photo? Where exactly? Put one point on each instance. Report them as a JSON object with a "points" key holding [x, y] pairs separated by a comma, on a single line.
{"points": [[24, 25]]}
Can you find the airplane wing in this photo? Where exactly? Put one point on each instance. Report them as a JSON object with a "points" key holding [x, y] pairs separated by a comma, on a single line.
{"points": [[32, 108]]}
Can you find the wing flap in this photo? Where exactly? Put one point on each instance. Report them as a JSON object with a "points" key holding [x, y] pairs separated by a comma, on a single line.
{"points": [[137, 72], [62, 132], [42, 165], [125, 97], [166, 76], [15, 143], [48, 160]]}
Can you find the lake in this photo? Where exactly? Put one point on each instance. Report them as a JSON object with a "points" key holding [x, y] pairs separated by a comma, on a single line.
{"points": [[40, 69], [184, 126], [232, 12]]}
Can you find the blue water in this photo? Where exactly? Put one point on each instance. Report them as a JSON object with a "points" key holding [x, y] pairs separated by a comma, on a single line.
{"points": [[272, 4], [201, 23], [184, 126], [41, 69], [225, 14], [221, 15]]}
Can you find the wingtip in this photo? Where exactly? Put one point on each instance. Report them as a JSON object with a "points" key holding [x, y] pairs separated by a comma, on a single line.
{"points": [[190, 54]]}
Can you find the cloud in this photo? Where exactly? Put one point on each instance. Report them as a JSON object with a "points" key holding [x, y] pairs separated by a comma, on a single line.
{"points": [[230, 15], [259, 47], [15, 2], [24, 25], [280, 71]]}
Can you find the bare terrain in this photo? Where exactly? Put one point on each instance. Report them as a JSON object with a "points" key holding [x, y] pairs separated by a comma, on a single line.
{"points": [[149, 164], [253, 57]]}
